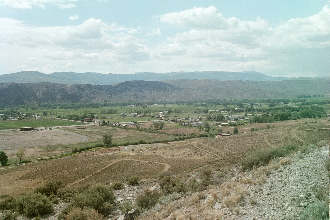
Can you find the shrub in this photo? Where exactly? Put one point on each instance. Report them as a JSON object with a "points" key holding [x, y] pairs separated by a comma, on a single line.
{"points": [[9, 215], [206, 176], [195, 186], [317, 210], [133, 181], [170, 185], [33, 205], [129, 210], [66, 194], [3, 158], [107, 140], [321, 193], [263, 156], [158, 125], [20, 155], [235, 130], [8, 204], [50, 188], [100, 198], [117, 186], [148, 199], [328, 164], [83, 214]]}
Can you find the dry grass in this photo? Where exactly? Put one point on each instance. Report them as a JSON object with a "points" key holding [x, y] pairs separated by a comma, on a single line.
{"points": [[148, 161], [232, 194]]}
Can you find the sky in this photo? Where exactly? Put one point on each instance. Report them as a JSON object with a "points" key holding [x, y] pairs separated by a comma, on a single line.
{"points": [[275, 37]]}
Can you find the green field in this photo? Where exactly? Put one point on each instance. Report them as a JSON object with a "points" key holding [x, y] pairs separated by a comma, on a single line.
{"points": [[34, 123]]}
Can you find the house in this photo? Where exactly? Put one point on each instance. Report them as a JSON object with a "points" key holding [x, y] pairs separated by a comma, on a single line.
{"points": [[26, 129], [225, 134], [88, 120]]}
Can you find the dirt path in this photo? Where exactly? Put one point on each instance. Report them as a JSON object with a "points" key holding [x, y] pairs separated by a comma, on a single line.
{"points": [[165, 169]]}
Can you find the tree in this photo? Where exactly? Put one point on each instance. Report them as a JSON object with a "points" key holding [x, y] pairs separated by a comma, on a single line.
{"points": [[158, 125], [107, 140], [207, 126], [3, 158], [235, 130], [20, 154]]}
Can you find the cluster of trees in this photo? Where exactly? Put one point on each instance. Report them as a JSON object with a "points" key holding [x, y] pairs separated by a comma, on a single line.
{"points": [[4, 158], [290, 113], [80, 117], [215, 117]]}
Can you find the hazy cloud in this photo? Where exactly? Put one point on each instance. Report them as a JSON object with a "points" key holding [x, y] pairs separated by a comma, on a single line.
{"points": [[27, 4], [190, 40], [74, 17]]}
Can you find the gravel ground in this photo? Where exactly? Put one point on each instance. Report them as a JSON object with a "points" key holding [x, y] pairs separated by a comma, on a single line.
{"points": [[290, 189]]}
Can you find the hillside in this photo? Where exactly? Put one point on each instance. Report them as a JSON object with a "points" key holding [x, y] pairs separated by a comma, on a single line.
{"points": [[110, 79], [153, 91]]}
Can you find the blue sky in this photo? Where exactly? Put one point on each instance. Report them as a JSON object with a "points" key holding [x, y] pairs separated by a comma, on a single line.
{"points": [[277, 37]]}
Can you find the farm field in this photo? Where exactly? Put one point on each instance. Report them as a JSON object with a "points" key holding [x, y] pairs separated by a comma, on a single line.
{"points": [[149, 161], [184, 155], [34, 123]]}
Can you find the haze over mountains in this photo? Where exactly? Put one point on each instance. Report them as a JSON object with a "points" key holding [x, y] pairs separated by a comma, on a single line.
{"points": [[110, 79], [13, 94]]}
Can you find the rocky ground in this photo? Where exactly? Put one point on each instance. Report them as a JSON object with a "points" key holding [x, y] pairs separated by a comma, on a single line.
{"points": [[281, 190], [289, 189]]}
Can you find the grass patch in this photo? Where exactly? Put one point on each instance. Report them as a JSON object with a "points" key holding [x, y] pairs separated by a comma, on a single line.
{"points": [[82, 214], [35, 123], [148, 199], [263, 156], [34, 205], [169, 184], [133, 181], [50, 188], [318, 210]]}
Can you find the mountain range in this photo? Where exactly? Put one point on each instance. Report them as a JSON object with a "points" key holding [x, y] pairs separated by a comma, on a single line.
{"points": [[111, 79], [14, 94]]}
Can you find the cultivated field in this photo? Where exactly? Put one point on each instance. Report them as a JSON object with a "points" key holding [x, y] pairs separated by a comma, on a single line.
{"points": [[150, 161]]}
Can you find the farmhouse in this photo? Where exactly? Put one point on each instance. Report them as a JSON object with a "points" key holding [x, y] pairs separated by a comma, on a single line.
{"points": [[88, 120], [26, 129]]}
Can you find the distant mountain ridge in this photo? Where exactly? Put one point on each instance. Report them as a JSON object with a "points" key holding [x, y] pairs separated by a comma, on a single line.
{"points": [[14, 94], [111, 79]]}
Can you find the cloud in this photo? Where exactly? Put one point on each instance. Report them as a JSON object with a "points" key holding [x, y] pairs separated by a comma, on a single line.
{"points": [[28, 4], [210, 18], [190, 40], [299, 46], [74, 17], [91, 44]]}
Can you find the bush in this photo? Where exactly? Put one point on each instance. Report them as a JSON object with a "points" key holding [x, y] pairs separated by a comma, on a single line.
{"points": [[206, 177], [8, 204], [158, 125], [129, 210], [133, 181], [50, 188], [148, 199], [328, 164], [100, 198], [34, 205], [262, 157], [235, 130], [107, 140], [9, 215], [117, 186], [3, 158], [317, 210], [195, 186], [83, 214], [170, 185]]}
